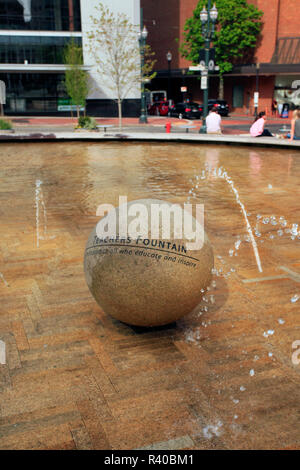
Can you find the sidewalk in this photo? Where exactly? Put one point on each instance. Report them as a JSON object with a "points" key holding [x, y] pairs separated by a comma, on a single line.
{"points": [[232, 125]]}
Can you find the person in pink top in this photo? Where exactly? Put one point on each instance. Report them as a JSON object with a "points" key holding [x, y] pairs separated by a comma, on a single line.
{"points": [[258, 127]]}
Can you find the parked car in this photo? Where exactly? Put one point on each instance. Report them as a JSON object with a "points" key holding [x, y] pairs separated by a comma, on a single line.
{"points": [[159, 108], [221, 106], [189, 110]]}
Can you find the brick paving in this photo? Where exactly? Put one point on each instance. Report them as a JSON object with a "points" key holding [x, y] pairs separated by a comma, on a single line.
{"points": [[221, 378]]}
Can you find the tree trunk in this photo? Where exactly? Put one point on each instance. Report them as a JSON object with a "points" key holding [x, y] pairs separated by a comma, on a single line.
{"points": [[120, 113], [221, 87], [78, 111]]}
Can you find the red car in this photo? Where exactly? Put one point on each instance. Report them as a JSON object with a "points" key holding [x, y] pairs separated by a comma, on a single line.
{"points": [[159, 108]]}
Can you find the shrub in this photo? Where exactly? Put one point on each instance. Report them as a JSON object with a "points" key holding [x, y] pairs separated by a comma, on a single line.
{"points": [[87, 122], [4, 125]]}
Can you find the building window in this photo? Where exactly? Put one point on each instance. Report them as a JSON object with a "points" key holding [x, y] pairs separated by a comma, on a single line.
{"points": [[33, 92], [287, 90], [33, 49], [40, 15]]}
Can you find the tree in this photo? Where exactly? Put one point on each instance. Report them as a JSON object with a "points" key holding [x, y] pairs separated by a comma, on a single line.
{"points": [[76, 79], [114, 45], [236, 36]]}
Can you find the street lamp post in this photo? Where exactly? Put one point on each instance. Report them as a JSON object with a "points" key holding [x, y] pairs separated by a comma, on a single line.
{"points": [[169, 59], [257, 90], [208, 19], [142, 40]]}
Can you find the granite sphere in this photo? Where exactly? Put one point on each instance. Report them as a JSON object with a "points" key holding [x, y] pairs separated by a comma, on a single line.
{"points": [[146, 281]]}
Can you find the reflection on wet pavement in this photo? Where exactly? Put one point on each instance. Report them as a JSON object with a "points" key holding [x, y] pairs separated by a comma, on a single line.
{"points": [[225, 376]]}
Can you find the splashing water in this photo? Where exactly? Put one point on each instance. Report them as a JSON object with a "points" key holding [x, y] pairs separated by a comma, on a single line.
{"points": [[283, 227], [39, 203], [4, 280], [249, 228], [222, 173], [213, 430]]}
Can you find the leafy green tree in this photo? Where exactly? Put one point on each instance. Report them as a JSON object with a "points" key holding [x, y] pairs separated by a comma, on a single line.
{"points": [[76, 79], [237, 34], [115, 48]]}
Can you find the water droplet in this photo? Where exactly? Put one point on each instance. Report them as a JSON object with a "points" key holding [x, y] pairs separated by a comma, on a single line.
{"points": [[230, 252], [282, 221], [280, 233], [242, 388], [237, 244], [295, 298], [252, 372], [281, 321], [294, 229]]}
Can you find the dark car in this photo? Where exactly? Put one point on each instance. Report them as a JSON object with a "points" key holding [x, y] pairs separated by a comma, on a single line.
{"points": [[188, 110], [220, 105], [159, 108]]}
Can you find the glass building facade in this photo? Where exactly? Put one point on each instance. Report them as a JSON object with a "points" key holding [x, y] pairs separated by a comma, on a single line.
{"points": [[40, 15], [42, 30], [33, 49], [34, 92]]}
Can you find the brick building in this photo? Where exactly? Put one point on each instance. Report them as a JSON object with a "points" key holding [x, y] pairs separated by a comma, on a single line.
{"points": [[276, 61]]}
